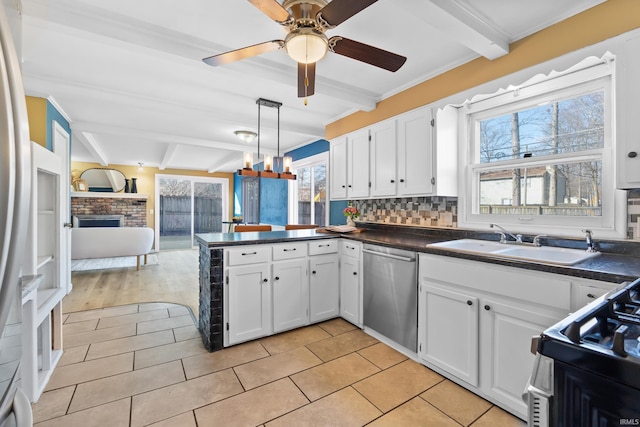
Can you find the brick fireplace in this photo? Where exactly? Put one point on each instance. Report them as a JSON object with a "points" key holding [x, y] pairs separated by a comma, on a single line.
{"points": [[134, 208]]}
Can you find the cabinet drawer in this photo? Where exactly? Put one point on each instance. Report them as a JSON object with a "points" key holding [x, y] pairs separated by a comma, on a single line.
{"points": [[247, 255], [350, 248], [289, 250], [584, 294], [323, 247]]}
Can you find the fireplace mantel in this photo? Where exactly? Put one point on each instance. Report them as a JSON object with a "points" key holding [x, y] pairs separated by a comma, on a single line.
{"points": [[109, 195]]}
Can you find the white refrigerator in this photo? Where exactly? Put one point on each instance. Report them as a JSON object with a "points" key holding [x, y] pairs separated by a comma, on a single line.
{"points": [[15, 189]]}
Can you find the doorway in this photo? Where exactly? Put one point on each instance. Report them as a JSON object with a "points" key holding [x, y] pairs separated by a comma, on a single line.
{"points": [[188, 205]]}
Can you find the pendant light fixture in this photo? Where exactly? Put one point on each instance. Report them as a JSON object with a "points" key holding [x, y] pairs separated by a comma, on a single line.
{"points": [[278, 168]]}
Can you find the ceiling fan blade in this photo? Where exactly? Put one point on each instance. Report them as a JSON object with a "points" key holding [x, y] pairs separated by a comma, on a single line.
{"points": [[338, 11], [244, 53], [273, 10], [306, 77], [365, 53]]}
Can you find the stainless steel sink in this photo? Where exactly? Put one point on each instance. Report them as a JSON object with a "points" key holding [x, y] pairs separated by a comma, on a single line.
{"points": [[539, 254]]}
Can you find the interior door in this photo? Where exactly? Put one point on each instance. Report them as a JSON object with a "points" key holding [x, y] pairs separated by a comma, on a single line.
{"points": [[61, 145]]}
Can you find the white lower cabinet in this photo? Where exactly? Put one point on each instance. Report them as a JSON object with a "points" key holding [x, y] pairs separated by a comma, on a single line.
{"points": [[351, 281], [476, 321], [324, 287], [290, 294], [248, 303]]}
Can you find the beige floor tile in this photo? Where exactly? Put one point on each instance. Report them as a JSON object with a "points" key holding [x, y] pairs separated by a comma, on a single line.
{"points": [[110, 322], [179, 310], [170, 401], [382, 355], [259, 372], [187, 419], [52, 404], [168, 352], [397, 384], [457, 402], [124, 345], [101, 312], [162, 324], [344, 408], [101, 335], [253, 407], [64, 376], [73, 355], [496, 417], [414, 413], [340, 345], [74, 328], [115, 414], [113, 388], [150, 306], [207, 363], [337, 326], [186, 333], [292, 339], [331, 376]]}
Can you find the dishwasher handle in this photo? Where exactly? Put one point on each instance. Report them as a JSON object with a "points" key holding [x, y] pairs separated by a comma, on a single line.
{"points": [[392, 256]]}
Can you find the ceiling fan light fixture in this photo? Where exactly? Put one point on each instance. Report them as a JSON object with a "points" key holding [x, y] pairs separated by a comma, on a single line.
{"points": [[306, 45], [246, 135]]}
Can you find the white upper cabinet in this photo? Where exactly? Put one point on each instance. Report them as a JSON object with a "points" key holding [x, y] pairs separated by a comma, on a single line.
{"points": [[349, 166], [415, 153], [383, 159], [397, 157], [628, 111]]}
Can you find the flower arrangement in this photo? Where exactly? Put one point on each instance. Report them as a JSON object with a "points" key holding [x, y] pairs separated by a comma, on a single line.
{"points": [[351, 212]]}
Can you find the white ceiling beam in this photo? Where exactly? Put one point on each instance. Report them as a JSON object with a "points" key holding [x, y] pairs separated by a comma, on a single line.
{"points": [[143, 136], [464, 26], [92, 146], [220, 164], [168, 155], [79, 15]]}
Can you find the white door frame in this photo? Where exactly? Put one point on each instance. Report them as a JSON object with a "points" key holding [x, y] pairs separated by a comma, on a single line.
{"points": [[61, 146]]}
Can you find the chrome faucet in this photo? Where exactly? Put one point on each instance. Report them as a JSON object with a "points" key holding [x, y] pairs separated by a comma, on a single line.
{"points": [[589, 240], [504, 233], [536, 240]]}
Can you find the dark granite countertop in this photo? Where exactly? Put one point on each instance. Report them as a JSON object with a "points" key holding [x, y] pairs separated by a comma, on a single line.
{"points": [[618, 261]]}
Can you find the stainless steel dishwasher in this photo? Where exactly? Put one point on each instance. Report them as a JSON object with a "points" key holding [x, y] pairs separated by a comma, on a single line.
{"points": [[391, 294]]}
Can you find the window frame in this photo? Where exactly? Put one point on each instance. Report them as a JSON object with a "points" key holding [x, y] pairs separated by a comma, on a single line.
{"points": [[580, 80], [314, 160]]}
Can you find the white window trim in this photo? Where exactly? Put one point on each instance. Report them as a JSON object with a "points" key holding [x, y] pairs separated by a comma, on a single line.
{"points": [[587, 74], [316, 159]]}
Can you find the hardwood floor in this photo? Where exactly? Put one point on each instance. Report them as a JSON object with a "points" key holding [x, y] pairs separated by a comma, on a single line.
{"points": [[174, 279]]}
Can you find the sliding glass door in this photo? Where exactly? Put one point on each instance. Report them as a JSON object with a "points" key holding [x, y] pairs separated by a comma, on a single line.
{"points": [[187, 206]]}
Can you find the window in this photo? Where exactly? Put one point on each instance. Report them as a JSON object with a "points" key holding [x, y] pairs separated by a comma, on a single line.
{"points": [[251, 200], [541, 155], [308, 196]]}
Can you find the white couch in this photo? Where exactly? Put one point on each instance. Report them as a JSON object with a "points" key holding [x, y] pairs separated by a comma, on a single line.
{"points": [[107, 242]]}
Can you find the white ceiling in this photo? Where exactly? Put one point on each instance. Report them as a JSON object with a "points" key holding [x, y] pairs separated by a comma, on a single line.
{"points": [[130, 78]]}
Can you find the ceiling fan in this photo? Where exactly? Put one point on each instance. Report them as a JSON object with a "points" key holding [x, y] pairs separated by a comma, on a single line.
{"points": [[306, 42]]}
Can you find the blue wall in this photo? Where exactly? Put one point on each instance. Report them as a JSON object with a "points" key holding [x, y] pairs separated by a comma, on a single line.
{"points": [[274, 193], [54, 115]]}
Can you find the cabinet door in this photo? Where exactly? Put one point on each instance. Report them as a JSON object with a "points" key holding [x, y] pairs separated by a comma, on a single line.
{"points": [[338, 168], [627, 112], [249, 298], [290, 295], [383, 159], [415, 153], [350, 295], [324, 288], [506, 360], [358, 164], [449, 333]]}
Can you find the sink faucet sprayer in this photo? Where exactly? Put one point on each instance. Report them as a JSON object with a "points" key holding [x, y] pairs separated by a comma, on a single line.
{"points": [[504, 233], [589, 240]]}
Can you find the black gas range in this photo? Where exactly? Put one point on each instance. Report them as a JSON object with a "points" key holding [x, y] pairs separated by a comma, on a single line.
{"points": [[587, 368]]}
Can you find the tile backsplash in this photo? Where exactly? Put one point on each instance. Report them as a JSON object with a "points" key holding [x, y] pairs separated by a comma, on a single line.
{"points": [[414, 211], [443, 212]]}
